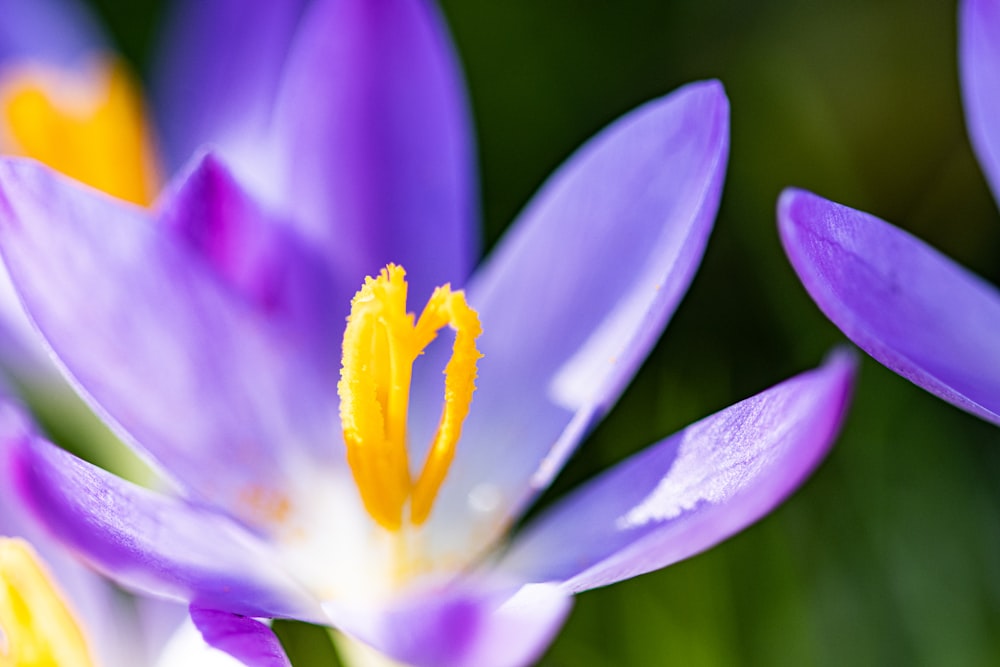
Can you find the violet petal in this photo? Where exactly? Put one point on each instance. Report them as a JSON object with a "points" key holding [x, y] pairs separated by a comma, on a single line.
{"points": [[248, 640], [913, 309], [181, 368], [375, 144], [574, 298], [460, 626], [979, 60], [149, 542], [692, 490]]}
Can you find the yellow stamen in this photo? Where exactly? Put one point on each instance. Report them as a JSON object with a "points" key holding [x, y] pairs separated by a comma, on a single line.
{"points": [[36, 628], [381, 343], [89, 125]]}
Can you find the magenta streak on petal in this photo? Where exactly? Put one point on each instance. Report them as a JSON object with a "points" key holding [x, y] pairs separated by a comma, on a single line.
{"points": [[260, 257]]}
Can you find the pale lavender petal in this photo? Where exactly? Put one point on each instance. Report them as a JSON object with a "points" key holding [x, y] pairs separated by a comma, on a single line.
{"points": [[979, 60], [262, 259], [249, 641], [901, 301], [184, 371], [690, 491], [375, 144], [57, 32], [460, 626], [575, 297], [218, 74], [149, 542]]}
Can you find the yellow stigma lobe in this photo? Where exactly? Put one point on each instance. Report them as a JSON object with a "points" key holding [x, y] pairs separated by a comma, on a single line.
{"points": [[381, 343], [36, 628], [89, 125]]}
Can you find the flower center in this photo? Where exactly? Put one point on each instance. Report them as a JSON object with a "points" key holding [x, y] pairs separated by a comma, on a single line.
{"points": [[36, 627], [381, 343], [89, 125]]}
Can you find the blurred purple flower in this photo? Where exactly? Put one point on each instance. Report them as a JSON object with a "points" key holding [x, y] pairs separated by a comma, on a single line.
{"points": [[205, 332], [903, 302]]}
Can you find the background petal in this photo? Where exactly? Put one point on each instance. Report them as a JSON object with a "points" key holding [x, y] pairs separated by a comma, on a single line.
{"points": [[259, 257], [979, 61], [692, 490], [184, 371], [904, 303], [149, 542], [461, 626], [574, 298], [58, 32], [248, 640], [99, 608], [218, 73], [375, 150]]}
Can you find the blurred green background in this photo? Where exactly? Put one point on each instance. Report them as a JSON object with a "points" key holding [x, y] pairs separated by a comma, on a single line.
{"points": [[890, 554]]}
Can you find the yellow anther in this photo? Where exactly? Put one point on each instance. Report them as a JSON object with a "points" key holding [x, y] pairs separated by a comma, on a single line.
{"points": [[381, 343], [87, 124], [36, 628]]}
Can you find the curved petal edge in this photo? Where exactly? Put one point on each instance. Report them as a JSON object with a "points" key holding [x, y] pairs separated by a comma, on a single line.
{"points": [[690, 491], [904, 303]]}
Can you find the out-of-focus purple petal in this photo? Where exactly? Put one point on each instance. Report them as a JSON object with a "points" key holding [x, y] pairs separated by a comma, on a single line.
{"points": [[692, 490], [575, 297], [249, 641], [979, 61], [375, 144], [149, 542], [460, 626], [258, 256], [218, 75], [185, 371], [901, 301], [97, 606], [56, 32]]}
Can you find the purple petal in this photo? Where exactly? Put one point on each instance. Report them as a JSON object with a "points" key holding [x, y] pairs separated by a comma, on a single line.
{"points": [[249, 641], [149, 542], [375, 142], [460, 627], [258, 256], [691, 491], [577, 294], [96, 604], [901, 301], [218, 74], [167, 355], [979, 60], [56, 32]]}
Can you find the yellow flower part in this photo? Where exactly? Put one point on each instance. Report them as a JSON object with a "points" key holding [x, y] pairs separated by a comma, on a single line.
{"points": [[36, 627], [381, 343], [87, 123]]}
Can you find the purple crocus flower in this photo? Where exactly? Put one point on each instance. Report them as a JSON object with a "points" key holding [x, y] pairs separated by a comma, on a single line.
{"points": [[206, 331], [910, 307]]}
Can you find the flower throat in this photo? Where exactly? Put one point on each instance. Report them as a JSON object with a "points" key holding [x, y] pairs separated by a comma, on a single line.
{"points": [[381, 343]]}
